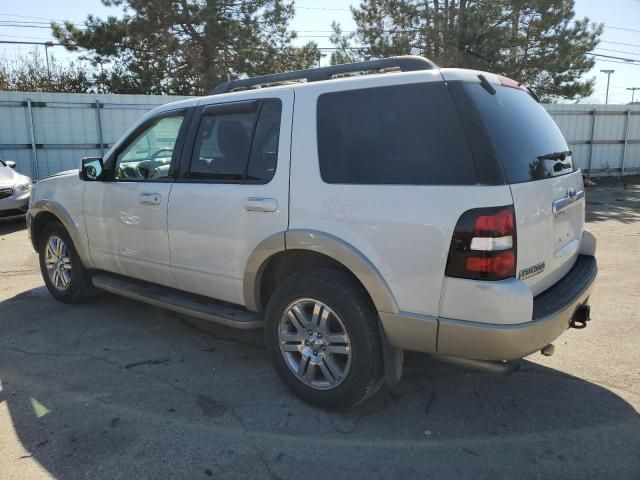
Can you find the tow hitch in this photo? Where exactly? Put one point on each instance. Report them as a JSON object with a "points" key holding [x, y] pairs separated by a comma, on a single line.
{"points": [[581, 316]]}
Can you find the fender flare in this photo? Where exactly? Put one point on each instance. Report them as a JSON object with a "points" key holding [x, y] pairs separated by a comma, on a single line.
{"points": [[67, 221], [325, 244]]}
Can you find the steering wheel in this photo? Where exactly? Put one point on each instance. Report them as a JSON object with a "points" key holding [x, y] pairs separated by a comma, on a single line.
{"points": [[157, 153], [145, 168], [154, 163], [128, 172]]}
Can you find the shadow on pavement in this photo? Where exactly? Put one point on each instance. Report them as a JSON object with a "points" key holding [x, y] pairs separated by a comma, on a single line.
{"points": [[617, 202], [12, 226], [117, 389], [623, 211]]}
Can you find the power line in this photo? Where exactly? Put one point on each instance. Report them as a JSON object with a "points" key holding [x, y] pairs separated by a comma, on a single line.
{"points": [[25, 21], [621, 63], [618, 51], [620, 43], [330, 9], [623, 28], [23, 26], [630, 60], [24, 36], [633, 61], [27, 16]]}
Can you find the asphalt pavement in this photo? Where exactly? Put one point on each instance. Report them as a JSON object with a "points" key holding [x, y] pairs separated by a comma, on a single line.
{"points": [[115, 389]]}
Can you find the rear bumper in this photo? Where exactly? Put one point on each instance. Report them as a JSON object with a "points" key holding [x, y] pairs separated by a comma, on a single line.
{"points": [[552, 313]]}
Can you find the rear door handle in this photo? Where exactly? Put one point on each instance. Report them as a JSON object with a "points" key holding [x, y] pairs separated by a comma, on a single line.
{"points": [[571, 197], [150, 198], [260, 204]]}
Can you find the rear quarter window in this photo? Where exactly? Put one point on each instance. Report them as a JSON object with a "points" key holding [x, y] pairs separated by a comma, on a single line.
{"points": [[397, 135], [522, 131]]}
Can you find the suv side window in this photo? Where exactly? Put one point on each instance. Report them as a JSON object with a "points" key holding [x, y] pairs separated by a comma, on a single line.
{"points": [[398, 135], [240, 146], [148, 156], [264, 151]]}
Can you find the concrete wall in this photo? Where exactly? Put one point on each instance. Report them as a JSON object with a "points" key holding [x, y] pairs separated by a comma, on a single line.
{"points": [[67, 127]]}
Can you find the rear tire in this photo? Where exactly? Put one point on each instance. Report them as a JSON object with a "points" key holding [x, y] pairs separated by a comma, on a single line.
{"points": [[65, 277], [321, 331]]}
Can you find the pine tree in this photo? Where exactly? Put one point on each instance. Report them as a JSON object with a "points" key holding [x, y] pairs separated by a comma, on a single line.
{"points": [[187, 46], [537, 42]]}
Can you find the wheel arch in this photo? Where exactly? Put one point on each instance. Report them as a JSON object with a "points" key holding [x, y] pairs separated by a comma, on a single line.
{"points": [[291, 251], [42, 213]]}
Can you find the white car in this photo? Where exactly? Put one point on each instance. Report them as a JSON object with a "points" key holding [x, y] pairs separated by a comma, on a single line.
{"points": [[15, 190], [351, 216]]}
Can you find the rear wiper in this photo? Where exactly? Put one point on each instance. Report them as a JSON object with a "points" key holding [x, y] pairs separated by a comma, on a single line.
{"points": [[486, 84], [555, 155], [533, 94]]}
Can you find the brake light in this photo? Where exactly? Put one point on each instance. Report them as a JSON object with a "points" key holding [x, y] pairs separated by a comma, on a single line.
{"points": [[511, 83], [483, 246]]}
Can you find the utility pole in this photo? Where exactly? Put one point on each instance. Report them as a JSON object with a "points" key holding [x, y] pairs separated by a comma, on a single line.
{"points": [[633, 92], [46, 55], [608, 72], [45, 44]]}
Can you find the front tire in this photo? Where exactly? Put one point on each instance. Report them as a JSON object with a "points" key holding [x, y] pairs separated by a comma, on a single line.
{"points": [[321, 331], [62, 271]]}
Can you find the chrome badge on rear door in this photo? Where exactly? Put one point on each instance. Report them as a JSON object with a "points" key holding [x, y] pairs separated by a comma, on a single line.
{"points": [[531, 271]]}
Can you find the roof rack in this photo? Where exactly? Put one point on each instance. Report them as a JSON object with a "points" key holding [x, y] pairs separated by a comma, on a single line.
{"points": [[406, 63]]}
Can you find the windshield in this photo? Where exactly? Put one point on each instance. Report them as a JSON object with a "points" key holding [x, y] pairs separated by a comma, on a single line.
{"points": [[528, 141]]}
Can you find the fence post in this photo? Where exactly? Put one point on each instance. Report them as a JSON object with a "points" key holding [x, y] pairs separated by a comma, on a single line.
{"points": [[593, 134], [99, 127], [626, 141], [34, 152]]}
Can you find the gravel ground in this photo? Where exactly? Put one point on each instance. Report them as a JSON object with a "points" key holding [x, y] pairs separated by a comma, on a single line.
{"points": [[116, 389]]}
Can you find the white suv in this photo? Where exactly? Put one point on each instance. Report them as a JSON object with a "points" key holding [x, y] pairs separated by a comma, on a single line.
{"points": [[352, 216]]}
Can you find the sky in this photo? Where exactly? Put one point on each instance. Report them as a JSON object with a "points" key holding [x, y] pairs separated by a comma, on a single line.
{"points": [[621, 37]]}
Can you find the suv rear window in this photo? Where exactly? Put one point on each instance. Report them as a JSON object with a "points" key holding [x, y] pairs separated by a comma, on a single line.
{"points": [[522, 131], [406, 134]]}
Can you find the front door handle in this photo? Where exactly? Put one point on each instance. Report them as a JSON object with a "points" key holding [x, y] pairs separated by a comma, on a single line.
{"points": [[260, 204], [150, 198]]}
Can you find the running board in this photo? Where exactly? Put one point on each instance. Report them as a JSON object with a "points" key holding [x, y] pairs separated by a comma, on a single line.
{"points": [[178, 301]]}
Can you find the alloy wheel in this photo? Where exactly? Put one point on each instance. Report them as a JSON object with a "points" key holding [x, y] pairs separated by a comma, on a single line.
{"points": [[57, 260], [315, 344]]}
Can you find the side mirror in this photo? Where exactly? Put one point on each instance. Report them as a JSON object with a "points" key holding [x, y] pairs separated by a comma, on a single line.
{"points": [[10, 163], [90, 168]]}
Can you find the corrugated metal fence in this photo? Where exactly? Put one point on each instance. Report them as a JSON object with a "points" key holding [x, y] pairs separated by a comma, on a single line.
{"points": [[604, 139], [45, 133]]}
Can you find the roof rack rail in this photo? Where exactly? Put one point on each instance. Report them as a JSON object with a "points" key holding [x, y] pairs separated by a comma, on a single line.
{"points": [[407, 63]]}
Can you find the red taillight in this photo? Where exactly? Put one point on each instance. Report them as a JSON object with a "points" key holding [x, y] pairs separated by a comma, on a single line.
{"points": [[501, 264], [483, 246], [501, 223]]}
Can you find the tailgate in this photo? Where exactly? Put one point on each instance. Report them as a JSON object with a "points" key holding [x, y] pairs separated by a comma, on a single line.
{"points": [[539, 169], [548, 241]]}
